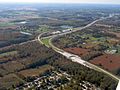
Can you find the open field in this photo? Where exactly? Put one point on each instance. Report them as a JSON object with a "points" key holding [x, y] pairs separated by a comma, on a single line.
{"points": [[77, 51], [109, 62]]}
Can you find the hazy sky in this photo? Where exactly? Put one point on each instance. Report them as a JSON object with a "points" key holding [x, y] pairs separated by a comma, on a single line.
{"points": [[66, 1]]}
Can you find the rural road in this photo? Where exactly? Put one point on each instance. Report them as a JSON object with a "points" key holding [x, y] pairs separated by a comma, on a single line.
{"points": [[76, 58]]}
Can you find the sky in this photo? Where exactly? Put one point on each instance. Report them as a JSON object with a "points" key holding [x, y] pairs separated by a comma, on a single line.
{"points": [[65, 1]]}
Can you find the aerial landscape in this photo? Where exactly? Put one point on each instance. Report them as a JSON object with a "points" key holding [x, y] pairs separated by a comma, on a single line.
{"points": [[59, 46]]}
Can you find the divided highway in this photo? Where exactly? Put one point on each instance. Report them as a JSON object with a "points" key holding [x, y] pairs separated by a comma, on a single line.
{"points": [[76, 58]]}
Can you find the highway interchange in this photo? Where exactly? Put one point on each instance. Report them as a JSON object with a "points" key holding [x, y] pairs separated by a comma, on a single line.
{"points": [[76, 58]]}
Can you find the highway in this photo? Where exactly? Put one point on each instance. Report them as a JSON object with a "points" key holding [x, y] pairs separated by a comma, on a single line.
{"points": [[76, 58], [118, 87]]}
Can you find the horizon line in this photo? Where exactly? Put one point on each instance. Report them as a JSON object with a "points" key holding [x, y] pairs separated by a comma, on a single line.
{"points": [[58, 3]]}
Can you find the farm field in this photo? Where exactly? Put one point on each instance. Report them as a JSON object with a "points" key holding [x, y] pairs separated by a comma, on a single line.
{"points": [[108, 62], [77, 51]]}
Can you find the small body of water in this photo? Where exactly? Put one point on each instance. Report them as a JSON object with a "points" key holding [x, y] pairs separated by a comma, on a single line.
{"points": [[26, 33], [23, 22]]}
